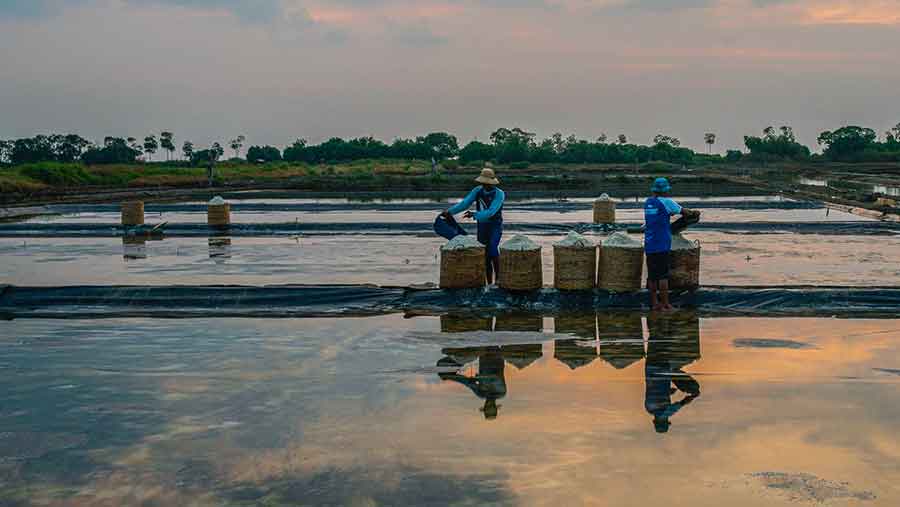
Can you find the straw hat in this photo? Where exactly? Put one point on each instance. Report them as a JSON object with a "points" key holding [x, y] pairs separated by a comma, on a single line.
{"points": [[487, 177]]}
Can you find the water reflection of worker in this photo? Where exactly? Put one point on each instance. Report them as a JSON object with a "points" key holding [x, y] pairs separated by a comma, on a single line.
{"points": [[489, 384], [673, 344]]}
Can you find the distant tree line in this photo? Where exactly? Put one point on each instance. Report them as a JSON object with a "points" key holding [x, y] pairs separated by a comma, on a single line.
{"points": [[505, 146]]}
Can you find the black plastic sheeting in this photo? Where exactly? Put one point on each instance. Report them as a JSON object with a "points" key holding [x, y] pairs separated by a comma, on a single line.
{"points": [[90, 230], [358, 300], [319, 207]]}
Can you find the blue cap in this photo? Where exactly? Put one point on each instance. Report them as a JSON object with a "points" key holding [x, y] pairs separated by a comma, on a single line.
{"points": [[661, 186]]}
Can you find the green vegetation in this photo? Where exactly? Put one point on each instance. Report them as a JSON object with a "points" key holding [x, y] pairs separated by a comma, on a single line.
{"points": [[54, 164]]}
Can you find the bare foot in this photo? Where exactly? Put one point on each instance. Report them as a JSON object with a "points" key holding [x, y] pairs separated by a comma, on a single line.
{"points": [[668, 308], [658, 308]]}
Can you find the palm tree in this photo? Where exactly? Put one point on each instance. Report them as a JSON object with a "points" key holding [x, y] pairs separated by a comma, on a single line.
{"points": [[236, 145], [710, 139]]}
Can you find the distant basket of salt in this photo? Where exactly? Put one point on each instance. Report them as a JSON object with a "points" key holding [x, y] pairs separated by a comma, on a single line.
{"points": [[575, 263], [462, 263], [520, 265], [621, 263], [685, 273], [132, 213], [604, 210], [218, 212]]}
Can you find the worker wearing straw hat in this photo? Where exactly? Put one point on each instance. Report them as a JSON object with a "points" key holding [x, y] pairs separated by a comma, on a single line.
{"points": [[488, 200]]}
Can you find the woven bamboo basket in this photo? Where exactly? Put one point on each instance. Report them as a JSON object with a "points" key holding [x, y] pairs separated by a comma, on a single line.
{"points": [[465, 323], [521, 270], [621, 338], [685, 273], [574, 268], [218, 215], [133, 213], [620, 269], [580, 325], [604, 212], [463, 269], [519, 323]]}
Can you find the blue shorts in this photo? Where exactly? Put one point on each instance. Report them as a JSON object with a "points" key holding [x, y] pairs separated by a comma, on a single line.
{"points": [[489, 234]]}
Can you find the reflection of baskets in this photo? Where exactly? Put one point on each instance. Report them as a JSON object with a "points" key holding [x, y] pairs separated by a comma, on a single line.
{"points": [[583, 326], [685, 272], [604, 212], [519, 323], [621, 338], [674, 338], [621, 268], [574, 353], [219, 215], [462, 269], [134, 247], [574, 268], [219, 247], [521, 269], [133, 213], [465, 323]]}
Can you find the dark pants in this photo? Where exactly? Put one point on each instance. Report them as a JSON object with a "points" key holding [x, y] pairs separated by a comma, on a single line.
{"points": [[489, 235]]}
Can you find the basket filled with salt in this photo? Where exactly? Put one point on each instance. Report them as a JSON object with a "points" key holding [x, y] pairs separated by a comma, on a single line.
{"points": [[218, 212], [132, 213], [462, 263], [685, 268], [621, 263], [574, 263], [604, 210], [520, 265]]}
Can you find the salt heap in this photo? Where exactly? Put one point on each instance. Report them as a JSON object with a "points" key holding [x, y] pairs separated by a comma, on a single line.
{"points": [[575, 240], [679, 242], [461, 242], [519, 243], [621, 240], [217, 201]]}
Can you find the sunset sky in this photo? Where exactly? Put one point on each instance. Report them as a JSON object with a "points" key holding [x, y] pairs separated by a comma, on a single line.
{"points": [[276, 70]]}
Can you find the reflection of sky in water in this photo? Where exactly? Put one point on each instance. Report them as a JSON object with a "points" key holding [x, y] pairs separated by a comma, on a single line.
{"points": [[355, 411], [398, 260]]}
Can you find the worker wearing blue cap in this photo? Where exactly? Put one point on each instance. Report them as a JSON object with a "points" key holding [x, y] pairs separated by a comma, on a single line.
{"points": [[658, 242]]}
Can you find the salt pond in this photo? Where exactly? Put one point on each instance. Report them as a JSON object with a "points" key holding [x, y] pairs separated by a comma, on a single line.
{"points": [[619, 409], [444, 411]]}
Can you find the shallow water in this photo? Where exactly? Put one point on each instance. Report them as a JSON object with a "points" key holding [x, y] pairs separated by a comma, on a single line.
{"points": [[728, 259], [516, 409], [511, 215]]}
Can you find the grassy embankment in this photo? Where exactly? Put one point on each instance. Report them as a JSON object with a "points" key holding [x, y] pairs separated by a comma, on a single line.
{"points": [[54, 181]]}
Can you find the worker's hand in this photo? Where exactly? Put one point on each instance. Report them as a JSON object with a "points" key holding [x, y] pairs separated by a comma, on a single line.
{"points": [[469, 214], [445, 214]]}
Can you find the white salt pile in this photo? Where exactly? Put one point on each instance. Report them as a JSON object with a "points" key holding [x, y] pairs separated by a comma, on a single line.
{"points": [[604, 197], [679, 242], [575, 240], [519, 243], [621, 240], [217, 201], [462, 242]]}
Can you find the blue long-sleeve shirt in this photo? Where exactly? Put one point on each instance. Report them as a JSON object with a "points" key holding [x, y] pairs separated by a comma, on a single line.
{"points": [[482, 215]]}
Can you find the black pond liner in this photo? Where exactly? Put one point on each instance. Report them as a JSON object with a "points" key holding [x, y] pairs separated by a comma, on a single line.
{"points": [[363, 300], [91, 230]]}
